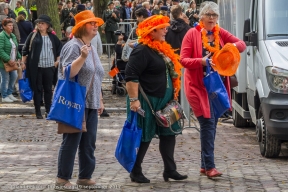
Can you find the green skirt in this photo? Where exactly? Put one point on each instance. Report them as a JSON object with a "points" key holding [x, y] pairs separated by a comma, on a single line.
{"points": [[148, 123]]}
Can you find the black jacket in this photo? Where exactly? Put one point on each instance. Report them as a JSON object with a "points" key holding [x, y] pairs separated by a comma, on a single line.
{"points": [[25, 28], [111, 22], [34, 55], [176, 32]]}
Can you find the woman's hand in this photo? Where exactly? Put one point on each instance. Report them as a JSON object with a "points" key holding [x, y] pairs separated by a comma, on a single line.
{"points": [[135, 105], [100, 110], [56, 64], [23, 66], [84, 51], [205, 58]]}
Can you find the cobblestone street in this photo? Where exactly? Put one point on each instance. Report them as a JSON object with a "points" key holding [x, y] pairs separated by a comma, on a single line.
{"points": [[29, 149]]}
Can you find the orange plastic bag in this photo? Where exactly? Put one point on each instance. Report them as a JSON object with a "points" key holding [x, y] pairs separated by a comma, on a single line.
{"points": [[114, 71]]}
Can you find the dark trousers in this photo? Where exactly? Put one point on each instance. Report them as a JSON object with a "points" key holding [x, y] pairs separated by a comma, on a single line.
{"points": [[44, 81], [85, 143], [207, 136], [166, 148], [110, 37]]}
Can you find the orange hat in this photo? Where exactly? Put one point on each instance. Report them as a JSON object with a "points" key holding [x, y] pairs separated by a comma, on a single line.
{"points": [[226, 60], [151, 23], [85, 17]]}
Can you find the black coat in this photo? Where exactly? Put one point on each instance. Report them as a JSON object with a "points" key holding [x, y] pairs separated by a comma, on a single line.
{"points": [[25, 28], [176, 32], [34, 55]]}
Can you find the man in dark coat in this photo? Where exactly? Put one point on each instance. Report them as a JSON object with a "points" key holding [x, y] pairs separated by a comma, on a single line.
{"points": [[177, 29], [111, 17], [66, 15]]}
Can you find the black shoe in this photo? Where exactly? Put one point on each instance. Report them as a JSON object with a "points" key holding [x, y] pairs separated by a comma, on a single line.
{"points": [[41, 104], [104, 114], [173, 175], [39, 115], [139, 178]]}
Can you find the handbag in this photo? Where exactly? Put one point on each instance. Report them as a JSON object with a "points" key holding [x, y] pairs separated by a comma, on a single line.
{"points": [[233, 81], [68, 104], [9, 68], [172, 113], [129, 143], [126, 52], [216, 90], [25, 91], [64, 128]]}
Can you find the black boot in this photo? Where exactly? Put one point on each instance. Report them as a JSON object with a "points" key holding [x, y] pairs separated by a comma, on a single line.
{"points": [[166, 147], [39, 115], [173, 175], [136, 174], [138, 178]]}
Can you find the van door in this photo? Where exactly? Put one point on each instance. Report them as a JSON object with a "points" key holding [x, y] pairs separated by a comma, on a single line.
{"points": [[251, 49]]}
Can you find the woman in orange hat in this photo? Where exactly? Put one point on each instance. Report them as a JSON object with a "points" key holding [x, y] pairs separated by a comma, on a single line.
{"points": [[199, 44], [154, 65], [85, 63]]}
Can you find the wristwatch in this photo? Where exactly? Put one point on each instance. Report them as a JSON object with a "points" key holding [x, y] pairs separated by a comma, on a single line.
{"points": [[133, 99]]}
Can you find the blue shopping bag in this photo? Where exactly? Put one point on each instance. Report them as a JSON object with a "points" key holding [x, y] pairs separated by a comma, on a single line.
{"points": [[129, 143], [25, 91], [216, 91], [68, 105]]}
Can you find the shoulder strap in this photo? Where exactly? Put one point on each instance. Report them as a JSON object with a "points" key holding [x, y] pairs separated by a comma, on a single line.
{"points": [[146, 99], [32, 38]]}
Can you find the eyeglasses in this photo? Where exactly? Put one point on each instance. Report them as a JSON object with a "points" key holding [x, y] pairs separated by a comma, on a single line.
{"points": [[93, 23], [209, 15]]}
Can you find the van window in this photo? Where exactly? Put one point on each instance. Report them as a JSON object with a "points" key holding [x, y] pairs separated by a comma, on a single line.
{"points": [[276, 18]]}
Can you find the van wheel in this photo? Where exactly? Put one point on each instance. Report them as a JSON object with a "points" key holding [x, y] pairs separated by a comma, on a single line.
{"points": [[269, 145], [238, 120]]}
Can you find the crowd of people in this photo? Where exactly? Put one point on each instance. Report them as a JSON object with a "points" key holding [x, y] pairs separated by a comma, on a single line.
{"points": [[167, 37]]}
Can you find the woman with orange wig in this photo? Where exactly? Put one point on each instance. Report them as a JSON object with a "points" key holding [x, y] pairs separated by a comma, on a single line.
{"points": [[154, 65]]}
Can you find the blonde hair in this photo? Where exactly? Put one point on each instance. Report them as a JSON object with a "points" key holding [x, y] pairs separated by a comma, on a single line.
{"points": [[20, 18], [145, 3], [49, 30]]}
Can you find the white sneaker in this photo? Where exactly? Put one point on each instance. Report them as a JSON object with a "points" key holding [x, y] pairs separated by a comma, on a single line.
{"points": [[7, 100], [12, 97]]}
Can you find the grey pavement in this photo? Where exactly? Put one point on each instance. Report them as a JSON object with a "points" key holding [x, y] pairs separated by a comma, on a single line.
{"points": [[29, 150]]}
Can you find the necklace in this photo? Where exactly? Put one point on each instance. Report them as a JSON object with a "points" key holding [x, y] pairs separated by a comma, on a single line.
{"points": [[85, 43], [205, 41]]}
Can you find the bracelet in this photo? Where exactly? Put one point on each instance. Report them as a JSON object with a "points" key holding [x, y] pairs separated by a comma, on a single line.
{"points": [[133, 99]]}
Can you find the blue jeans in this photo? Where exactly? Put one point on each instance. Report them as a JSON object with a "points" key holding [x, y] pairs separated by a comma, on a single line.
{"points": [[8, 80], [85, 142], [207, 136]]}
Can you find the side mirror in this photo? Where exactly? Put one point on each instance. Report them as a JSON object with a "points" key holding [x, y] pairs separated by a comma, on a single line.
{"points": [[250, 37]]}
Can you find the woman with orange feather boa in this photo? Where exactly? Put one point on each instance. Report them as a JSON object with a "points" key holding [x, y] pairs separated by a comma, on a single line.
{"points": [[154, 65]]}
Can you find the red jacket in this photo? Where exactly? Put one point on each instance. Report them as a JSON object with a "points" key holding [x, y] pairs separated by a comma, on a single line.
{"points": [[191, 59]]}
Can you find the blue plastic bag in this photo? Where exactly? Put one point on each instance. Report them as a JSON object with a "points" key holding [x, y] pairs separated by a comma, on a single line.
{"points": [[216, 91], [25, 91], [68, 105], [129, 143]]}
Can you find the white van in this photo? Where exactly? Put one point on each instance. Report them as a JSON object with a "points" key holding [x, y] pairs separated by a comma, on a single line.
{"points": [[261, 97]]}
